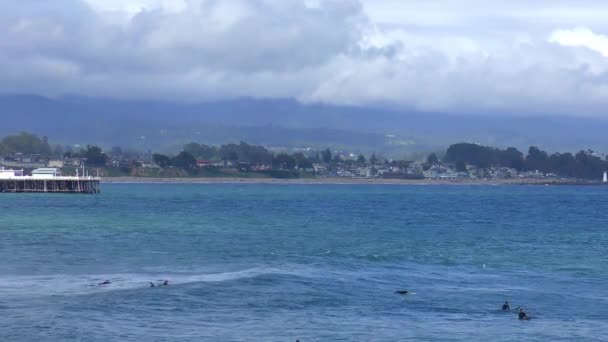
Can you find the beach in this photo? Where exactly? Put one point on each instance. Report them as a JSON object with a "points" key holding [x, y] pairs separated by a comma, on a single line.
{"points": [[348, 181]]}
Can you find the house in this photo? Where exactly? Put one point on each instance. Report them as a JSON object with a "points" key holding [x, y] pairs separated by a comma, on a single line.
{"points": [[319, 168], [202, 163], [364, 172], [415, 168], [145, 165], [71, 162], [24, 161], [261, 167], [22, 165], [55, 163]]}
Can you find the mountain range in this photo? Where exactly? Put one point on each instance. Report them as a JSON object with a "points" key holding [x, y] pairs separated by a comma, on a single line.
{"points": [[165, 126]]}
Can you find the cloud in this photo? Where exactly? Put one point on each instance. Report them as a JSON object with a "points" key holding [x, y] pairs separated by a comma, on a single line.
{"points": [[453, 56], [581, 37]]}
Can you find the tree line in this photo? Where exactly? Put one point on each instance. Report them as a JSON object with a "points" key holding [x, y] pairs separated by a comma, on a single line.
{"points": [[583, 164], [258, 155], [30, 144], [235, 153], [25, 143]]}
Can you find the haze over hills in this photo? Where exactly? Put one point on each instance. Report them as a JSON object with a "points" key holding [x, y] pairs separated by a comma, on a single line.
{"points": [[284, 122]]}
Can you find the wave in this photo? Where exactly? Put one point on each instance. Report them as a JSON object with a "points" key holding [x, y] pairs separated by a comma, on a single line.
{"points": [[62, 284]]}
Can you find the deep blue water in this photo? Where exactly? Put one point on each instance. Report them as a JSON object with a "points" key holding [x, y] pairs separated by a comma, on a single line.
{"points": [[308, 262]]}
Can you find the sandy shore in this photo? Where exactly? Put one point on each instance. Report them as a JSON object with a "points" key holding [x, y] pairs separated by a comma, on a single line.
{"points": [[347, 181]]}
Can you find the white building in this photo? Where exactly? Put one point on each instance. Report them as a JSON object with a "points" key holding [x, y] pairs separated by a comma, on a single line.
{"points": [[46, 173], [8, 174]]}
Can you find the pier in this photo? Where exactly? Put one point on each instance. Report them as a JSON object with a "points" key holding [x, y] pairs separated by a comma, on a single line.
{"points": [[47, 180], [83, 185]]}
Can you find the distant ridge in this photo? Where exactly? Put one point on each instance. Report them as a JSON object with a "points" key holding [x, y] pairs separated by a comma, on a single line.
{"points": [[284, 122]]}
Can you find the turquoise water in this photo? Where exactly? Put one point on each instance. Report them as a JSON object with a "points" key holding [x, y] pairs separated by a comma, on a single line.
{"points": [[308, 262]]}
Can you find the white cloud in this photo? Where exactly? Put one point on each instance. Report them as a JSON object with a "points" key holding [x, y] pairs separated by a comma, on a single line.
{"points": [[446, 55], [581, 37]]}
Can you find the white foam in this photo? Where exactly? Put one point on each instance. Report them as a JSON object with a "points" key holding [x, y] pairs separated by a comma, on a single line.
{"points": [[61, 284]]}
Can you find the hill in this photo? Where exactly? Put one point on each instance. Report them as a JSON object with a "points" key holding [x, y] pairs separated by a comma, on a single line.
{"points": [[284, 122]]}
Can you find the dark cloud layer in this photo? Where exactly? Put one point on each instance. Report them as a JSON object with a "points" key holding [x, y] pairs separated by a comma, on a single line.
{"points": [[515, 58]]}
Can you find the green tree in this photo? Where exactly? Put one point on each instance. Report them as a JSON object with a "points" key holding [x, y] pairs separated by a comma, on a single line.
{"points": [[232, 156], [317, 158], [194, 149], [473, 154], [373, 159], [184, 160], [95, 156], [284, 161], [326, 156], [563, 164], [461, 166], [302, 161], [161, 160], [432, 159], [26, 143], [511, 157], [208, 152], [245, 153], [338, 158], [361, 160], [537, 160]]}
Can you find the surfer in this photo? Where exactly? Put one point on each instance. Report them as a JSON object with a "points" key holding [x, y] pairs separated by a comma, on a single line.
{"points": [[402, 292], [522, 315], [166, 283], [152, 284], [506, 307], [107, 282]]}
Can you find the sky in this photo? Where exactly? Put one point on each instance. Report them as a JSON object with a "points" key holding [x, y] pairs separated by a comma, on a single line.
{"points": [[546, 57]]}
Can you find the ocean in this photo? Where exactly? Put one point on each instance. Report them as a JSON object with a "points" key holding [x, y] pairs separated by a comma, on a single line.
{"points": [[264, 262]]}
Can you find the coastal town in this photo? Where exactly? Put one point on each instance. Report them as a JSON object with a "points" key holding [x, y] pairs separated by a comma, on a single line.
{"points": [[35, 164], [460, 163]]}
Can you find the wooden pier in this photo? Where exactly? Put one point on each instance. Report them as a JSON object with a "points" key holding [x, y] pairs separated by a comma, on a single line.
{"points": [[76, 185]]}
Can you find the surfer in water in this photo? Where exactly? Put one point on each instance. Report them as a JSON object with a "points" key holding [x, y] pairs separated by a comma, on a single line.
{"points": [[107, 282], [402, 292], [164, 283], [506, 307], [522, 315]]}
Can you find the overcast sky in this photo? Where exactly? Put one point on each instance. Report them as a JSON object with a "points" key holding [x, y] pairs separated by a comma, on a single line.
{"points": [[516, 56]]}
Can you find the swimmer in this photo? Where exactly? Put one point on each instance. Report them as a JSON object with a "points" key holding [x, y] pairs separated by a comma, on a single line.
{"points": [[522, 315], [506, 307]]}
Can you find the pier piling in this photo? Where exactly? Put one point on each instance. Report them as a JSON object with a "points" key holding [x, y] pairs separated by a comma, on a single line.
{"points": [[83, 185]]}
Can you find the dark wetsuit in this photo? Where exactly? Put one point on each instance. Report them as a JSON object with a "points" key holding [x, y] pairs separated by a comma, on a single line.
{"points": [[522, 315], [506, 307]]}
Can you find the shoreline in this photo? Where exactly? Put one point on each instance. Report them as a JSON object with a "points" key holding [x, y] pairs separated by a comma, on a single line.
{"points": [[342, 181]]}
